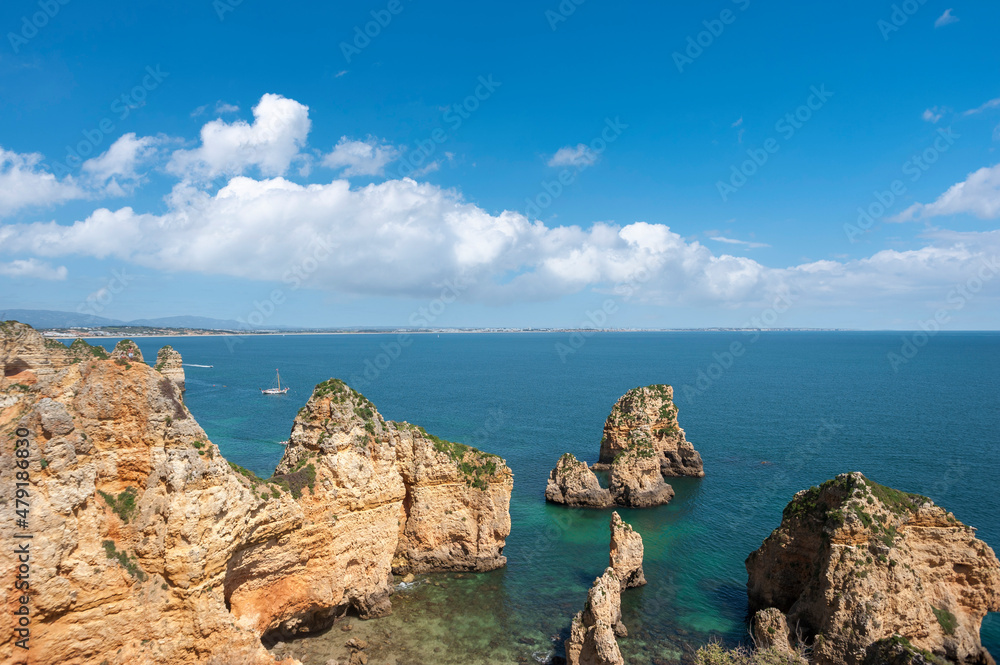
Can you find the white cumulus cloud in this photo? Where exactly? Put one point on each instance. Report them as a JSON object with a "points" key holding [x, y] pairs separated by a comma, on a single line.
{"points": [[361, 157], [270, 144], [116, 170], [401, 238], [32, 269], [26, 183], [978, 194], [578, 156]]}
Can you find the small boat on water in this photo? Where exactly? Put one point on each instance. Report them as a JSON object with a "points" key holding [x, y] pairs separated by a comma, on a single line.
{"points": [[275, 388], [283, 443]]}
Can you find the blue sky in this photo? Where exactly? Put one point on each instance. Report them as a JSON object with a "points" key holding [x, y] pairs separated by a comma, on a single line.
{"points": [[230, 147]]}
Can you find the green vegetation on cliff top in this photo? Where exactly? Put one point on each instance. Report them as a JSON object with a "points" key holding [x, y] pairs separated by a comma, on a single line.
{"points": [[853, 493]]}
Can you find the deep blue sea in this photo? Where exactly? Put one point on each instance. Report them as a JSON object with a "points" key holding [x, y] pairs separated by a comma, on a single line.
{"points": [[795, 409]]}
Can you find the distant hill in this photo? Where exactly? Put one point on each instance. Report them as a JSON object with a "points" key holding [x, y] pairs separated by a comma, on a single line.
{"points": [[188, 322], [46, 318]]}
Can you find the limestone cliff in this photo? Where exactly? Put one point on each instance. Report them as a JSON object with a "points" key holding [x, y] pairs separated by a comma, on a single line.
{"points": [[574, 484], [854, 564], [168, 363], [626, 553], [647, 417], [592, 634], [150, 548]]}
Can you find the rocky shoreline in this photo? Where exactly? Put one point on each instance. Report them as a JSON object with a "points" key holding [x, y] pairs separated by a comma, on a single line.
{"points": [[152, 548]]}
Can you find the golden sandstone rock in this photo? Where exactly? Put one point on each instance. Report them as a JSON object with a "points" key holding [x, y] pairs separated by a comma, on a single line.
{"points": [[642, 445], [149, 547], [868, 573]]}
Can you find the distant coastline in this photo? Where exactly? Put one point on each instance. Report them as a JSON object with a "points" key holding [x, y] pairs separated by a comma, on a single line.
{"points": [[64, 333]]}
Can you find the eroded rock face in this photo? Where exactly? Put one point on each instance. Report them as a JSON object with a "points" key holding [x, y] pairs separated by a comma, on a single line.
{"points": [[26, 356], [859, 563], [626, 553], [592, 639], [770, 630], [648, 417], [637, 480], [168, 363], [457, 507], [574, 484], [150, 548]]}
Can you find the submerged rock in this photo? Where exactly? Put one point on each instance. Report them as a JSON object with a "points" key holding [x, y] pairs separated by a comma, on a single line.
{"points": [[855, 563], [648, 417], [574, 484], [592, 639], [626, 553]]}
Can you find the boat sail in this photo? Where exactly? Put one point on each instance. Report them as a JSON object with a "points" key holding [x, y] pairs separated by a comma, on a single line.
{"points": [[275, 388]]}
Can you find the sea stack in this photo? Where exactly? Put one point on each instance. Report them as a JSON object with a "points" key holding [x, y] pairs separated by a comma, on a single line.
{"points": [[592, 639], [574, 484], [870, 574], [642, 445], [168, 363], [626, 553], [647, 418], [149, 547]]}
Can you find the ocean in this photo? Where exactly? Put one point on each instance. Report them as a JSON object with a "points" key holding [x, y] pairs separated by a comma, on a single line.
{"points": [[787, 411]]}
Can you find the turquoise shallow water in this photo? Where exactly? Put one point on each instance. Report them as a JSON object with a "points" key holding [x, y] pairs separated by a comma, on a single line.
{"points": [[810, 405]]}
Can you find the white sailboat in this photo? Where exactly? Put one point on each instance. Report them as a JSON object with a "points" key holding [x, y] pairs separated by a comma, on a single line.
{"points": [[275, 388]]}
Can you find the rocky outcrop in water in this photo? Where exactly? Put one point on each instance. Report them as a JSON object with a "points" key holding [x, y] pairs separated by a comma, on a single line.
{"points": [[626, 553], [592, 639], [636, 479], [642, 445], [168, 363], [149, 547], [574, 484], [594, 631], [854, 564], [647, 418]]}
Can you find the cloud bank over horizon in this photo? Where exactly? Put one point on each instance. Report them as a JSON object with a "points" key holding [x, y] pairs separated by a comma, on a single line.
{"points": [[235, 210]]}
